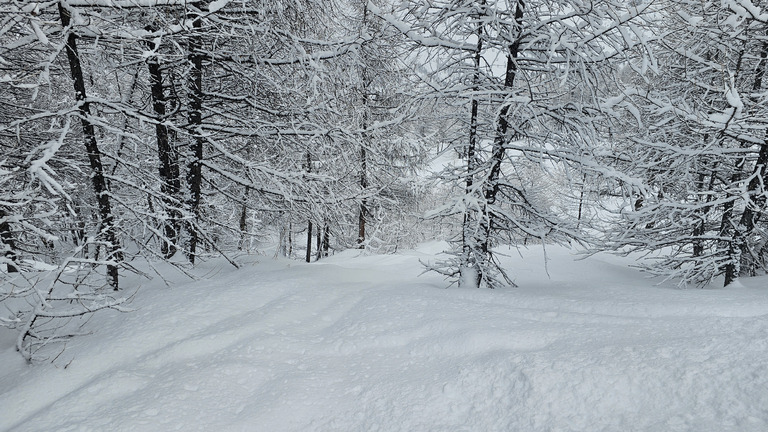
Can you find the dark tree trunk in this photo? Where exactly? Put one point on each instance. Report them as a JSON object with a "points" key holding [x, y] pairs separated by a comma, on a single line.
{"points": [[169, 162], [326, 240], [6, 238], [195, 164], [243, 221], [498, 151], [366, 141], [363, 212], [698, 230], [308, 167], [581, 200], [468, 262], [290, 239], [727, 229], [309, 242], [107, 225]]}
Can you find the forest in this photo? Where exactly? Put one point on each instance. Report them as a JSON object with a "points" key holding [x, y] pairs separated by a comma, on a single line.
{"points": [[136, 134]]}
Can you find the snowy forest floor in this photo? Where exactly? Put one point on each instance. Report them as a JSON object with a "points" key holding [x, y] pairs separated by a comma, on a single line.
{"points": [[360, 343]]}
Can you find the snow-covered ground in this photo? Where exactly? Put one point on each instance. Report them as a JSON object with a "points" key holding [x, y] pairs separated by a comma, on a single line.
{"points": [[360, 343]]}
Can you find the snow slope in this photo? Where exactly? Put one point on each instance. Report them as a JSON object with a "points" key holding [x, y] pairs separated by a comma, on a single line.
{"points": [[360, 343]]}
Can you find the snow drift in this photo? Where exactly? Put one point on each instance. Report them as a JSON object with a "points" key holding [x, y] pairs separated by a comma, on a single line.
{"points": [[360, 343]]}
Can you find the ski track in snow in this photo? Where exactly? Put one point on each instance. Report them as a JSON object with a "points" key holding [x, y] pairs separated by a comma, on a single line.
{"points": [[359, 343]]}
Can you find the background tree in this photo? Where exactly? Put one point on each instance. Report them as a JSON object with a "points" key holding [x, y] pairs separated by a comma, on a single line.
{"points": [[532, 74], [700, 146]]}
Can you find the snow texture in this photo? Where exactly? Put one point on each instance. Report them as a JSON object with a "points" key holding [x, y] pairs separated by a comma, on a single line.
{"points": [[217, 5], [360, 343]]}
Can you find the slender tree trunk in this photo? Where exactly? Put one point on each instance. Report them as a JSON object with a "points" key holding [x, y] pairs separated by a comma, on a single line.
{"points": [[309, 222], [107, 224], [326, 239], [290, 239], [170, 185], [243, 220], [498, 151], [194, 165], [282, 245], [365, 143], [468, 263], [581, 200], [727, 229], [6, 238], [363, 212], [309, 242]]}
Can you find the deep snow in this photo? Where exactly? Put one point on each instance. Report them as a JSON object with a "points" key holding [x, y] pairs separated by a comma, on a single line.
{"points": [[360, 343]]}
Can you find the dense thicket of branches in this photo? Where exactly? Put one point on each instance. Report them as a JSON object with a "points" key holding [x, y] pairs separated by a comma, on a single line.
{"points": [[201, 127], [532, 75], [172, 130], [699, 144]]}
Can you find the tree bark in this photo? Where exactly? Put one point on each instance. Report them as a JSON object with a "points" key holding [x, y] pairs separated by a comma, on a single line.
{"points": [[727, 228], [6, 238], [290, 239], [581, 200], [498, 151], [326, 239], [195, 166], [169, 162], [309, 242], [363, 211], [366, 141], [243, 220], [107, 225], [468, 259]]}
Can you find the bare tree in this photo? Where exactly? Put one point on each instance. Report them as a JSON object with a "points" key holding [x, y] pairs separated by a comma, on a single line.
{"points": [[701, 146], [555, 60]]}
